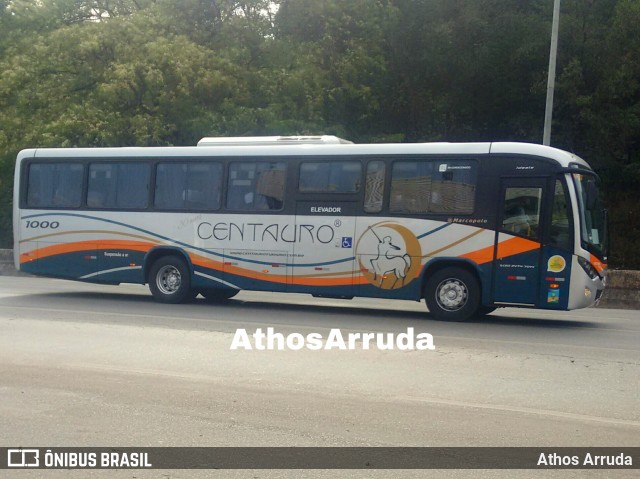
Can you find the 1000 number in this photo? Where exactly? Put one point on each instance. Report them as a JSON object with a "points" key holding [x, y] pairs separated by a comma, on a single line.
{"points": [[42, 224]]}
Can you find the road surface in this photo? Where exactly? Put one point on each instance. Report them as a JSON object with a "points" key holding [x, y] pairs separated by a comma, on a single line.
{"points": [[89, 365]]}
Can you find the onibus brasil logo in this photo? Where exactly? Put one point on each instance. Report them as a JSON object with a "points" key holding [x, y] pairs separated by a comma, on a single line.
{"points": [[389, 255]]}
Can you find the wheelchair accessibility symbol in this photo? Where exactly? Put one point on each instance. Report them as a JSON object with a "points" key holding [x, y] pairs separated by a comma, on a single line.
{"points": [[347, 242]]}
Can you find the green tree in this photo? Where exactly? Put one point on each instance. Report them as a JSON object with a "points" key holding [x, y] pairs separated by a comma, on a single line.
{"points": [[160, 72], [345, 42]]}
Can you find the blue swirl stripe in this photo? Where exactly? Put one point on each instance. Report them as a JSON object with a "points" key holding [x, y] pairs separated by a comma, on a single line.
{"points": [[186, 245]]}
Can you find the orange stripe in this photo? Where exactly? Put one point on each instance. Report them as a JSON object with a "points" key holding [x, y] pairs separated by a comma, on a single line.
{"points": [[597, 264], [514, 246], [84, 246], [85, 232], [275, 278], [506, 248], [195, 259], [205, 262]]}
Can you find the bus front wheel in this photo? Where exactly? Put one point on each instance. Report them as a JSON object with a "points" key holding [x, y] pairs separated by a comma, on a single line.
{"points": [[452, 294], [170, 280]]}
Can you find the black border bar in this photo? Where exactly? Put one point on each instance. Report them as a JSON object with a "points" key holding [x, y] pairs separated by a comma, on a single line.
{"points": [[320, 458]]}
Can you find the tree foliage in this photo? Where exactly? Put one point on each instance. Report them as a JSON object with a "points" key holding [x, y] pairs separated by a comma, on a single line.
{"points": [[160, 72]]}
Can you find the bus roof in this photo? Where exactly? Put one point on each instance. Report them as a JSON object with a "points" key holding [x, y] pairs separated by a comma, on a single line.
{"points": [[564, 159]]}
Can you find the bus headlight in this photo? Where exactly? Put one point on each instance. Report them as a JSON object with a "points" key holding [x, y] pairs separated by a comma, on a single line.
{"points": [[588, 268]]}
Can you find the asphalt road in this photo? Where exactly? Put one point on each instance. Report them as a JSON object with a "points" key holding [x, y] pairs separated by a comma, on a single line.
{"points": [[88, 365]]}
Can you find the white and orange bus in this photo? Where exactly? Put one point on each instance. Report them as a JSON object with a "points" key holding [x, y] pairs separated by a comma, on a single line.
{"points": [[469, 227]]}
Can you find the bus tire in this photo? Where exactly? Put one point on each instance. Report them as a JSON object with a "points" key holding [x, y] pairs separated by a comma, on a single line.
{"points": [[214, 295], [170, 280], [452, 294]]}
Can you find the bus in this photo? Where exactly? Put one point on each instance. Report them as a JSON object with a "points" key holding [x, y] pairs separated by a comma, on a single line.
{"points": [[468, 227]]}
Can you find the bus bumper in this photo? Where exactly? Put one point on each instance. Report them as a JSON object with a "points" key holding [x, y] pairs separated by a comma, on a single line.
{"points": [[585, 290]]}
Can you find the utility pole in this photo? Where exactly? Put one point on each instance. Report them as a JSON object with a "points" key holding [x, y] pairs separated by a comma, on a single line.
{"points": [[551, 81]]}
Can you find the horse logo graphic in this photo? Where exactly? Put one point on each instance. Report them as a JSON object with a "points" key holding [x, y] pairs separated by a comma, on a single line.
{"points": [[388, 262], [389, 255]]}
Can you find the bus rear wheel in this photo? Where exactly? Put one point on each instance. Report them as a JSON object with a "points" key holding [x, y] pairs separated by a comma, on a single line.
{"points": [[170, 280], [452, 294]]}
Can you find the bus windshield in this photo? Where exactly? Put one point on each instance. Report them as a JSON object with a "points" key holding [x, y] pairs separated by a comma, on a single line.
{"points": [[592, 215]]}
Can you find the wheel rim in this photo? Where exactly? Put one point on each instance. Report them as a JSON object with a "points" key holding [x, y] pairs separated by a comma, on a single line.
{"points": [[452, 294], [168, 279]]}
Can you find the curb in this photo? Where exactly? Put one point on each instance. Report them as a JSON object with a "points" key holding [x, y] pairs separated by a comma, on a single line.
{"points": [[6, 264]]}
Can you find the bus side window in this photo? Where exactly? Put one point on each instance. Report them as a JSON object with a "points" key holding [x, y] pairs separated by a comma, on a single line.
{"points": [[330, 177], [374, 187], [270, 186], [522, 211], [118, 185], [410, 187], [57, 185], [453, 189], [188, 186], [256, 186]]}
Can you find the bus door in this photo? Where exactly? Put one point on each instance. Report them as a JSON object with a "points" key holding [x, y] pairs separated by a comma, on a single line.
{"points": [[324, 253], [516, 274]]}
